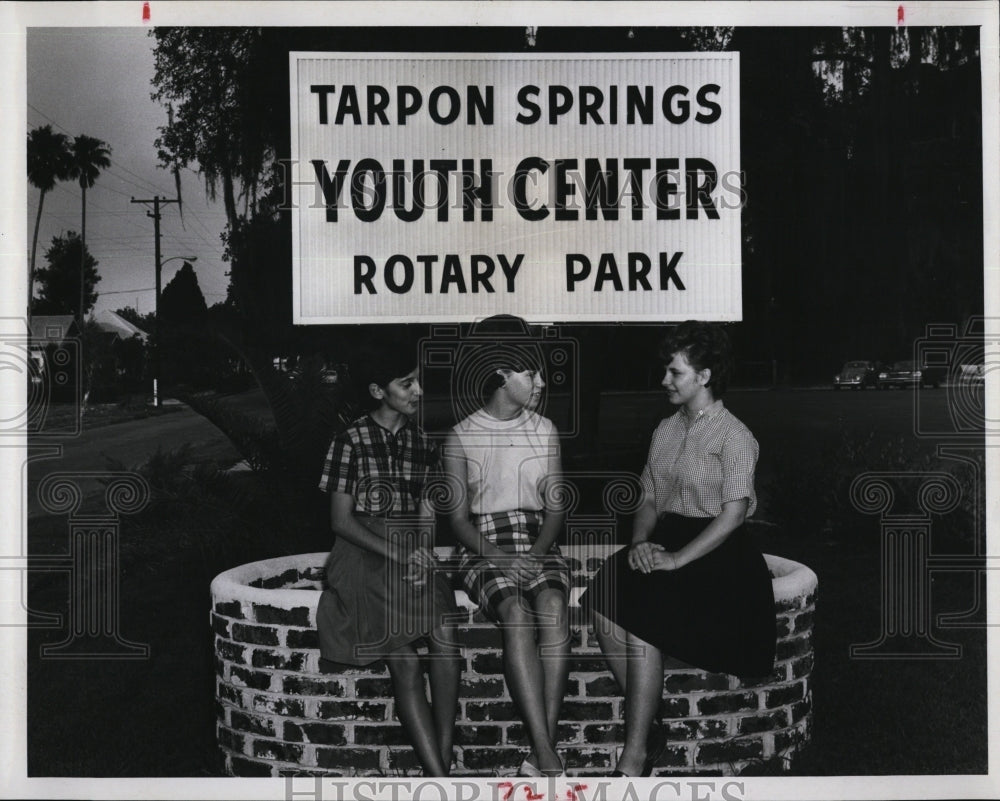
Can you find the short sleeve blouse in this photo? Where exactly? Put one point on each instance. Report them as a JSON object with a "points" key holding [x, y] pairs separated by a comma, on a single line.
{"points": [[697, 464]]}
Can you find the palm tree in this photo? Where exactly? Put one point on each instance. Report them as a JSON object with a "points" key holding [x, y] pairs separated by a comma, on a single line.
{"points": [[48, 162], [88, 157]]}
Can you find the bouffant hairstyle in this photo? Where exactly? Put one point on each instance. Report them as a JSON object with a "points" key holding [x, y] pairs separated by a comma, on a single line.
{"points": [[704, 345], [497, 358]]}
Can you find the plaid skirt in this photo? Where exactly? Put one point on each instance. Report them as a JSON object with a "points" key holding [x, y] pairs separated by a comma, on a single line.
{"points": [[513, 532]]}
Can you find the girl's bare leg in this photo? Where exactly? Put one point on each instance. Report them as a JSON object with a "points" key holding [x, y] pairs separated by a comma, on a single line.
{"points": [[413, 710], [553, 646], [643, 691], [445, 671]]}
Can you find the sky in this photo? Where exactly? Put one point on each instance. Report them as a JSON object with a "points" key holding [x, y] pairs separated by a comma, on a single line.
{"points": [[96, 81]]}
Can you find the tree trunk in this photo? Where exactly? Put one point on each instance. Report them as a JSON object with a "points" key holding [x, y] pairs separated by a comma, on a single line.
{"points": [[34, 248], [83, 251]]}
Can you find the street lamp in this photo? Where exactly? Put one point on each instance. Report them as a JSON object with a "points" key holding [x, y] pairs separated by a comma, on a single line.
{"points": [[156, 317]]}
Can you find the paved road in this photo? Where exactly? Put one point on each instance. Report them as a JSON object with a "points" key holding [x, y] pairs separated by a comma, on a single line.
{"points": [[626, 419]]}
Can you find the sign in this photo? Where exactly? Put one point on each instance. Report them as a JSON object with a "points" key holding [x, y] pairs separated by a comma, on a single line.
{"points": [[557, 187]]}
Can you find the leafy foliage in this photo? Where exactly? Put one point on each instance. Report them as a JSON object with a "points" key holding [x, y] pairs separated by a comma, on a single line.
{"points": [[59, 282]]}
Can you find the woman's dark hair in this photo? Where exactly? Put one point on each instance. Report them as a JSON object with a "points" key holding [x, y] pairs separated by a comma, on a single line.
{"points": [[502, 357], [704, 345], [379, 363]]}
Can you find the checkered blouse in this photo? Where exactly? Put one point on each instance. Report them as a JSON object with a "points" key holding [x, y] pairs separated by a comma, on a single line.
{"points": [[386, 473], [696, 465]]}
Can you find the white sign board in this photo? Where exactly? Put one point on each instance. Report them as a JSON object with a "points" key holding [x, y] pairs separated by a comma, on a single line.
{"points": [[557, 187]]}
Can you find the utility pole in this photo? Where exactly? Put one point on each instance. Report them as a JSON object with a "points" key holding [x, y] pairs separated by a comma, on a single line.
{"points": [[155, 214]]}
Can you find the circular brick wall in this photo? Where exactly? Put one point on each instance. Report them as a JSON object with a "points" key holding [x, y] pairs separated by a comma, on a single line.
{"points": [[279, 714]]}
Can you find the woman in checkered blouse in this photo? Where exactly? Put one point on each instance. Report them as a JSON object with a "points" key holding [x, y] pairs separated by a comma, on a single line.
{"points": [[507, 458], [384, 590], [690, 555]]}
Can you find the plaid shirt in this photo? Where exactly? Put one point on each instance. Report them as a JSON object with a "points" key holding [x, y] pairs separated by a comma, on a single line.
{"points": [[386, 473], [695, 466]]}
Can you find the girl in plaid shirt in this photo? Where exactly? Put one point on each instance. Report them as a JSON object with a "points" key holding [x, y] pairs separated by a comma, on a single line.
{"points": [[690, 558], [507, 458], [385, 590]]}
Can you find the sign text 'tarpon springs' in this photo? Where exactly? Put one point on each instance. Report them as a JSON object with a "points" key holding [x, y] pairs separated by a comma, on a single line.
{"points": [[558, 187]]}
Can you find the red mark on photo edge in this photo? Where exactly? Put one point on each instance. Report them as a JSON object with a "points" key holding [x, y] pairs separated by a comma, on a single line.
{"points": [[145, 11], [900, 15]]}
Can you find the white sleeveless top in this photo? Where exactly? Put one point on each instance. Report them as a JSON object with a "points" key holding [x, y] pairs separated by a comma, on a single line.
{"points": [[507, 461]]}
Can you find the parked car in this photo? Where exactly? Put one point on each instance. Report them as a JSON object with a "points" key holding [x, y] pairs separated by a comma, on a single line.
{"points": [[907, 373], [856, 375]]}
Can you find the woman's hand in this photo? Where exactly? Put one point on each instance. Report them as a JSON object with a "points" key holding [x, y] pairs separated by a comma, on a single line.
{"points": [[419, 566], [525, 567], [664, 560], [641, 556]]}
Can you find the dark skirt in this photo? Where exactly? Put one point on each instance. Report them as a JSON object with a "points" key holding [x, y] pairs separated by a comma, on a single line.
{"points": [[715, 613], [367, 610]]}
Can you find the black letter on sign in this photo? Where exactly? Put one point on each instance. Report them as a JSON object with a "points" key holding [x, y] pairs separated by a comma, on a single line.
{"points": [[359, 191], [364, 271], [668, 271], [330, 186], [520, 195], [700, 194], [322, 89], [399, 287], [714, 109]]}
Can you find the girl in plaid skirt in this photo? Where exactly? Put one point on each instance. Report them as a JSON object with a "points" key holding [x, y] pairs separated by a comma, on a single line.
{"points": [[507, 458]]}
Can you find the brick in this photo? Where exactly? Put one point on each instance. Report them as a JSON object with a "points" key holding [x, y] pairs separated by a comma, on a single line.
{"points": [[803, 666], [788, 605], [330, 667], [220, 667], [602, 687], [783, 625], [303, 685], [319, 733], [230, 739], [488, 760], [284, 579], [490, 710], [680, 683], [279, 660], [373, 688], [389, 734], [316, 573], [351, 710], [581, 759], [273, 749], [674, 708], [254, 724], [488, 663], [220, 625], [588, 664], [258, 635], [788, 742], [249, 767], [291, 773], [480, 637], [244, 677], [230, 609], [604, 733], [481, 688], [695, 729], [776, 676], [729, 702], [403, 760], [297, 616], [286, 707], [784, 695], [796, 646], [753, 724], [230, 650], [801, 709], [229, 693], [674, 756], [478, 735], [565, 733], [804, 621], [302, 638], [729, 751], [586, 710], [348, 758]]}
